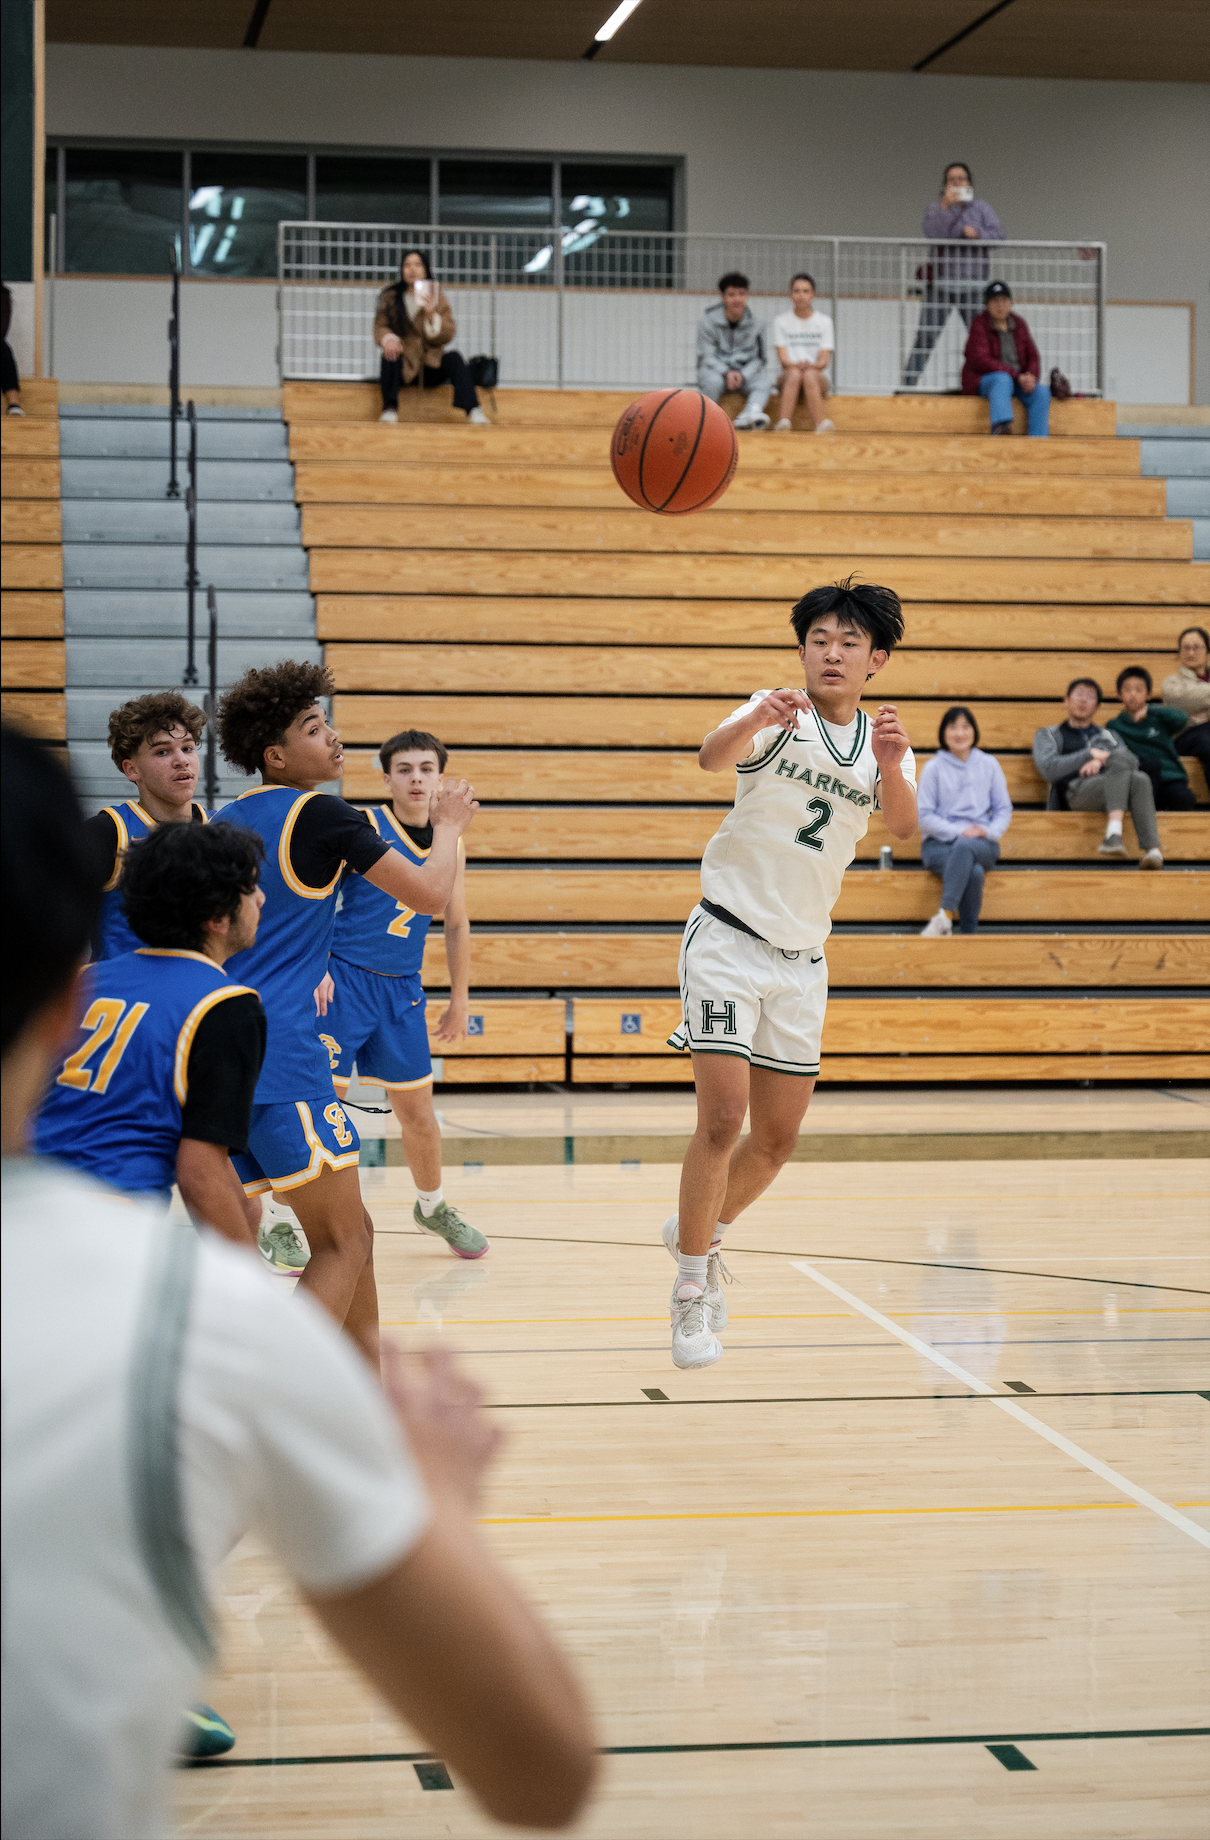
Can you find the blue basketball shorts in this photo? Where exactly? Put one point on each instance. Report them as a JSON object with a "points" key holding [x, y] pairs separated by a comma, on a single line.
{"points": [[293, 1142], [379, 1023]]}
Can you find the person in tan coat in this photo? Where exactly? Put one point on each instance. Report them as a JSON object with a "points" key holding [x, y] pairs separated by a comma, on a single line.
{"points": [[414, 326], [1189, 689]]}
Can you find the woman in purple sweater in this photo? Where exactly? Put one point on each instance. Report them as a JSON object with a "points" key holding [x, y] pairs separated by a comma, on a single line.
{"points": [[964, 811], [954, 278]]}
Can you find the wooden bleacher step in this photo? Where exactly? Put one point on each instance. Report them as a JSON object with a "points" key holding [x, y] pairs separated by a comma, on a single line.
{"points": [[33, 666]]}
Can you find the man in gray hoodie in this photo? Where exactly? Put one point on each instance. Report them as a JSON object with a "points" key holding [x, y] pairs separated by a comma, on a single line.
{"points": [[1089, 769], [732, 352]]}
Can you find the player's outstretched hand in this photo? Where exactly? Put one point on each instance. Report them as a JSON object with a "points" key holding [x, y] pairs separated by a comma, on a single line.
{"points": [[780, 710], [451, 1024], [324, 992], [454, 805], [890, 738], [441, 1411]]}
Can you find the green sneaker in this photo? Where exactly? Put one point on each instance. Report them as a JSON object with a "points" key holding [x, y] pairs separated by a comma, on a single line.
{"points": [[280, 1247], [465, 1240], [206, 1734]]}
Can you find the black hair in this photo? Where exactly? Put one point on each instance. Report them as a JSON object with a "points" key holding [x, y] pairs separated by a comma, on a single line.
{"points": [[872, 610], [970, 177], [731, 279], [1092, 685], [802, 275], [1201, 632], [1134, 670], [181, 875], [52, 880], [409, 740], [428, 273], [952, 715], [257, 711]]}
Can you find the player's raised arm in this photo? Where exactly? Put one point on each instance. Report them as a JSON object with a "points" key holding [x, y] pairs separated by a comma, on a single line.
{"points": [[731, 742], [428, 889], [897, 797]]}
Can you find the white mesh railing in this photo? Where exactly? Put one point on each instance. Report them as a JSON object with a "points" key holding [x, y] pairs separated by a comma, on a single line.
{"points": [[611, 310]]}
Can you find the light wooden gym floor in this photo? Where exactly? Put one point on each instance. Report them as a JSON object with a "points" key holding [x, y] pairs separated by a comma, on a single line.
{"points": [[810, 1586]]}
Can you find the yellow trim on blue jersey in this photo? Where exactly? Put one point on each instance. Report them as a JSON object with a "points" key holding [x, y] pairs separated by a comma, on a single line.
{"points": [[342, 1082], [119, 824], [175, 952], [283, 857], [184, 1041], [415, 848], [321, 1158]]}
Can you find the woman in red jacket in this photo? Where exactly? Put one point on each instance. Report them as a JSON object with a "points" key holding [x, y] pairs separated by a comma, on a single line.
{"points": [[1002, 362]]}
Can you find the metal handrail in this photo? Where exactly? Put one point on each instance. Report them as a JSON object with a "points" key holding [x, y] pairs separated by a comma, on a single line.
{"points": [[211, 700], [174, 375], [192, 580]]}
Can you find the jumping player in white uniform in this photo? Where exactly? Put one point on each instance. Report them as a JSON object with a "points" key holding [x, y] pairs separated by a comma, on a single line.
{"points": [[811, 767]]}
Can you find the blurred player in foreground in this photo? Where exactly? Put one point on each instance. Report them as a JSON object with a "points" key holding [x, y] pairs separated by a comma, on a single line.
{"points": [[153, 741], [301, 1143], [161, 1397], [811, 768], [376, 1016]]}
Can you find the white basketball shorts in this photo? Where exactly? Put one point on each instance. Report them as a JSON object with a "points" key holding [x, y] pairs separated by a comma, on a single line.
{"points": [[742, 996]]}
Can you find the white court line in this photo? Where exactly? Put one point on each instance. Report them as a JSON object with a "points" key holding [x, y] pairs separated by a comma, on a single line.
{"points": [[1112, 1476]]}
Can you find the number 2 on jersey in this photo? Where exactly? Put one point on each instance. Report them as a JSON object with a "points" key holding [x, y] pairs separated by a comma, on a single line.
{"points": [[102, 1018], [399, 925], [809, 835]]}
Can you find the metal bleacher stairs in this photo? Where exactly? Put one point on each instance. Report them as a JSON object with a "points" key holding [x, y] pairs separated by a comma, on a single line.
{"points": [[491, 585]]}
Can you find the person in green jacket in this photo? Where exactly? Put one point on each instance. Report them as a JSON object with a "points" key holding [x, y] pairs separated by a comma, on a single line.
{"points": [[1149, 731]]}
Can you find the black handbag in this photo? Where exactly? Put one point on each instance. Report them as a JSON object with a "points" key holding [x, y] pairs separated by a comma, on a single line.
{"points": [[485, 372]]}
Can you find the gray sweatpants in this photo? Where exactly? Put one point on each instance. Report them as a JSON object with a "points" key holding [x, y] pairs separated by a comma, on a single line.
{"points": [[757, 386], [1118, 787]]}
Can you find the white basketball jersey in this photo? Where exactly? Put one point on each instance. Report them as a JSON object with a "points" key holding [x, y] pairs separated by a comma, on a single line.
{"points": [[802, 805]]}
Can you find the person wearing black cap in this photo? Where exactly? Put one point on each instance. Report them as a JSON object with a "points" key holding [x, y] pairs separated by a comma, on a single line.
{"points": [[1002, 361]]}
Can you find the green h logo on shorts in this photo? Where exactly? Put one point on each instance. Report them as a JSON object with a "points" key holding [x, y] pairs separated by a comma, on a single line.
{"points": [[723, 1013]]}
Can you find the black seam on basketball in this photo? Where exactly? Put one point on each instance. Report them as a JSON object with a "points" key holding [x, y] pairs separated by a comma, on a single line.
{"points": [[685, 470], [643, 450], [723, 483]]}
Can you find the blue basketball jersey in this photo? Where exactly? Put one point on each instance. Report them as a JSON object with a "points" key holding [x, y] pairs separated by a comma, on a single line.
{"points": [[373, 929], [114, 1105], [114, 935], [290, 956]]}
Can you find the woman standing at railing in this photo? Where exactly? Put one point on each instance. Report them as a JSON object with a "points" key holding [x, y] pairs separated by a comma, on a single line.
{"points": [[953, 278], [414, 326]]}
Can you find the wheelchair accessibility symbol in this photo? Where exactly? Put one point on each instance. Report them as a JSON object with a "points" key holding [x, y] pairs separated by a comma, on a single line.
{"points": [[632, 1022], [474, 1025]]}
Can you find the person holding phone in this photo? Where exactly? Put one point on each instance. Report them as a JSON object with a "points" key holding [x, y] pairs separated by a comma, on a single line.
{"points": [[953, 278], [413, 327]]}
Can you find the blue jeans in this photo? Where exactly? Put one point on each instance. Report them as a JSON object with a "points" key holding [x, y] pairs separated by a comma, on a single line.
{"points": [[960, 865], [999, 388]]}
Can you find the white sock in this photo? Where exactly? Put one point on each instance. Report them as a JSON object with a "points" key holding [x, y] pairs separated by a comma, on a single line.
{"points": [[430, 1200], [691, 1271], [716, 1238], [1114, 827]]}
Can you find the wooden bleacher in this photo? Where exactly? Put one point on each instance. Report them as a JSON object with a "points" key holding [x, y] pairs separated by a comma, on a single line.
{"points": [[33, 662], [491, 585]]}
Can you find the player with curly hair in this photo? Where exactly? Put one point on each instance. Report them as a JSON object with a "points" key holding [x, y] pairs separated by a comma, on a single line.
{"points": [[301, 1144], [153, 741]]}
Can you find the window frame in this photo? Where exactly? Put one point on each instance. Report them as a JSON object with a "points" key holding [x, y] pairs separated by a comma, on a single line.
{"points": [[314, 151]]}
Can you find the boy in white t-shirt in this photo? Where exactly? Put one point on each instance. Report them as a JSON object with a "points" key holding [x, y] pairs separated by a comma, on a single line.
{"points": [[811, 767], [805, 342]]}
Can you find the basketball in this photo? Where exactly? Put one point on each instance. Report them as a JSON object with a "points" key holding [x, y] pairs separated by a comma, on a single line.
{"points": [[674, 451]]}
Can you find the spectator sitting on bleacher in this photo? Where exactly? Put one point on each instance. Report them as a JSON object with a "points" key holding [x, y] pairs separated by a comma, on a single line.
{"points": [[414, 326], [1148, 730], [1002, 361], [731, 352], [804, 342], [1188, 689], [964, 811], [1090, 769]]}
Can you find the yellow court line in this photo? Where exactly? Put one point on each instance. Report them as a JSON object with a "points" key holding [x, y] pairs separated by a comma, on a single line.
{"points": [[1198, 1309], [794, 1514]]}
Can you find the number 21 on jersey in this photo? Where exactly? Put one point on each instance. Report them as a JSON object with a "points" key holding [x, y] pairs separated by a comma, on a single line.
{"points": [[103, 1017]]}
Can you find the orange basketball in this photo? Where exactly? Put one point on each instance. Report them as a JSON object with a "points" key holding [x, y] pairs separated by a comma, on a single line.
{"points": [[674, 451]]}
